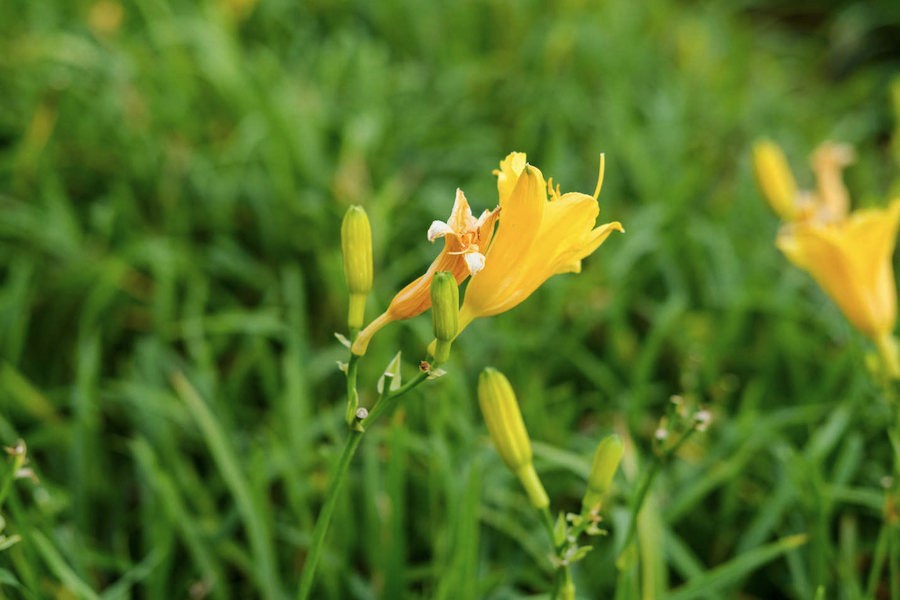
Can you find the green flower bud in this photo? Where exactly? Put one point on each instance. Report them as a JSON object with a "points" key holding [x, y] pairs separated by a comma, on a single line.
{"points": [[504, 423], [606, 461], [444, 313], [356, 243]]}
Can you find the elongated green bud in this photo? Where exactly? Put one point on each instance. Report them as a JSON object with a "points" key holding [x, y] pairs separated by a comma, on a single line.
{"points": [[504, 423], [356, 243], [444, 313], [606, 461]]}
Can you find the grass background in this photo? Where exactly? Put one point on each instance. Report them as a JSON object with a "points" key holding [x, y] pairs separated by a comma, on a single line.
{"points": [[172, 179]]}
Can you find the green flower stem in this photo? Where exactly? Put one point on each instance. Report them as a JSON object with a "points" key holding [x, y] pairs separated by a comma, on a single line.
{"points": [[9, 476], [881, 548], [547, 521], [331, 496], [352, 396], [563, 587], [895, 565], [388, 397], [324, 519], [649, 477]]}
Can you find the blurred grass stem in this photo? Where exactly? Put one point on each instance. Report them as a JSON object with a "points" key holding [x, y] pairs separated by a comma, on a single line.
{"points": [[649, 477]]}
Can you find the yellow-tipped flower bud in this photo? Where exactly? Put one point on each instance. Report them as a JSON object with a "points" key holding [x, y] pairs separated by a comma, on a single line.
{"points": [[356, 243], [606, 461], [444, 313], [773, 173], [504, 423]]}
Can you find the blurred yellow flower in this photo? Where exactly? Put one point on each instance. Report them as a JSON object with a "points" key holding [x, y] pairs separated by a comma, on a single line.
{"points": [[535, 240], [465, 240], [849, 255]]}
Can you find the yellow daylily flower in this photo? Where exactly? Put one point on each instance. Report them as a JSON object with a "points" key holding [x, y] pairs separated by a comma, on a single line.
{"points": [[536, 239], [465, 241], [848, 254], [852, 262]]}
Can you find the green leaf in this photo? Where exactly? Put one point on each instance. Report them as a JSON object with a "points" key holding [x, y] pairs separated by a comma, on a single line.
{"points": [[7, 578], [735, 569], [393, 372], [559, 531], [580, 553]]}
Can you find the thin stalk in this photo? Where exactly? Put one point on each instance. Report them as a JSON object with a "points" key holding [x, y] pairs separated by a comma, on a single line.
{"points": [[563, 588], [888, 538], [10, 475], [895, 565], [324, 519], [337, 480], [881, 547], [547, 521], [649, 477], [352, 396], [384, 402]]}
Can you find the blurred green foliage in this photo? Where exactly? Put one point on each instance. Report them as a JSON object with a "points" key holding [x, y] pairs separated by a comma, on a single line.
{"points": [[172, 180]]}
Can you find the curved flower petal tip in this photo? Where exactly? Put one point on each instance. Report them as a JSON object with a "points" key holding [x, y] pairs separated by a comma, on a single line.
{"points": [[437, 230], [475, 262], [508, 174], [600, 176]]}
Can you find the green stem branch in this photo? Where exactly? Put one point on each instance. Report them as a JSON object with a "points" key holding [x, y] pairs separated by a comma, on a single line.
{"points": [[388, 397], [647, 482], [563, 587]]}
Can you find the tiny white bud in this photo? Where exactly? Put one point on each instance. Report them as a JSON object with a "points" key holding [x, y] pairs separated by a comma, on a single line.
{"points": [[702, 419], [361, 413]]}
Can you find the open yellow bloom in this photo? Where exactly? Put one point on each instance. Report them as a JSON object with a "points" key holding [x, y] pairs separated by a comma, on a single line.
{"points": [[536, 239], [848, 254], [851, 261], [465, 240]]}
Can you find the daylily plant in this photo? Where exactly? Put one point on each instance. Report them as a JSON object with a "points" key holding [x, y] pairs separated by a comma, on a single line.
{"points": [[848, 254]]}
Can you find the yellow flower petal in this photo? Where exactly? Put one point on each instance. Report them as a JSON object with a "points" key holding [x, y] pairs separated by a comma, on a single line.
{"points": [[773, 174], [535, 240], [508, 175], [520, 221], [828, 162]]}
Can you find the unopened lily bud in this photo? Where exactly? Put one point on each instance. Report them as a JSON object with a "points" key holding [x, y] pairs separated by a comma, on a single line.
{"points": [[504, 423], [606, 461], [773, 174], [356, 243], [444, 313]]}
